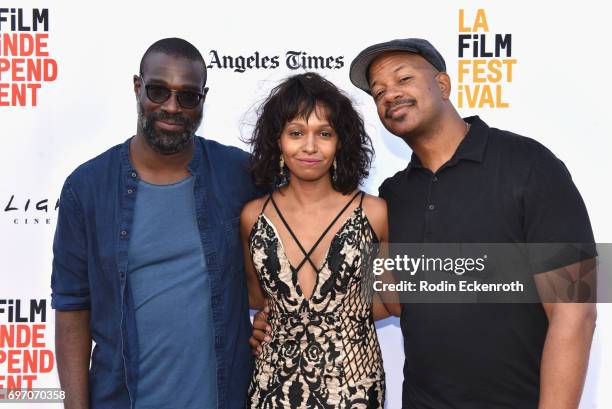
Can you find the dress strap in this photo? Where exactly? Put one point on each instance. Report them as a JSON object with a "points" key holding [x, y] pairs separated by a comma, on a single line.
{"points": [[309, 253], [361, 200], [266, 203], [280, 215]]}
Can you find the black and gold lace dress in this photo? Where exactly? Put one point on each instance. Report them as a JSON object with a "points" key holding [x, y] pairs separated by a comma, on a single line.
{"points": [[324, 352]]}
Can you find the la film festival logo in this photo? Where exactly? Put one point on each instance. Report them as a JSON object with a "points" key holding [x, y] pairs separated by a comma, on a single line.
{"points": [[24, 353], [485, 63], [25, 62]]}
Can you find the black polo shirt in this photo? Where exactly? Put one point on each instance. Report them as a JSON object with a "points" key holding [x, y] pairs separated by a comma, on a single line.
{"points": [[498, 187]]}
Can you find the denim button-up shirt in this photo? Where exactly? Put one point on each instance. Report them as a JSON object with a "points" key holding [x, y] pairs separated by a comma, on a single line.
{"points": [[91, 260]]}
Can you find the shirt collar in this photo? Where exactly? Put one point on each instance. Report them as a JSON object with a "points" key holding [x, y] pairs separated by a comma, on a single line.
{"points": [[196, 159], [472, 147]]}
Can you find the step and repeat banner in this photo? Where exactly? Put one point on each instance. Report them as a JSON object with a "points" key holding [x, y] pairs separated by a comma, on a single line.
{"points": [[66, 95]]}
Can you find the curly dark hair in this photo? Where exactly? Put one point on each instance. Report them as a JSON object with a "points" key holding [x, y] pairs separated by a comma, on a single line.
{"points": [[297, 97]]}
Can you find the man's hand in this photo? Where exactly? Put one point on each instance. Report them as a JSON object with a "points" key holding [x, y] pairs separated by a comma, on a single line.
{"points": [[261, 330]]}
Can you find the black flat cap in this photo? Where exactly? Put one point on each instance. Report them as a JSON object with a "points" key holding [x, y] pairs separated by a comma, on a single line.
{"points": [[361, 64]]}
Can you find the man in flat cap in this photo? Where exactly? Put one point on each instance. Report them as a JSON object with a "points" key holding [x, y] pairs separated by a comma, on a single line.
{"points": [[469, 183]]}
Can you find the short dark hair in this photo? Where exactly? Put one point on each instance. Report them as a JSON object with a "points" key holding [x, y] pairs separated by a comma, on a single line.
{"points": [[297, 97], [176, 47]]}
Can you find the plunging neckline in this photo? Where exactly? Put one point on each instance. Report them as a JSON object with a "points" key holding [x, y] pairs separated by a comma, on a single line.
{"points": [[298, 286]]}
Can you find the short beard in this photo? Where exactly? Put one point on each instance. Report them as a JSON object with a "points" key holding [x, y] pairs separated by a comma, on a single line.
{"points": [[163, 141]]}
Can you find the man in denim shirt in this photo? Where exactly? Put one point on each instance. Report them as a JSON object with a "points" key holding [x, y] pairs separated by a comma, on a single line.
{"points": [[147, 259]]}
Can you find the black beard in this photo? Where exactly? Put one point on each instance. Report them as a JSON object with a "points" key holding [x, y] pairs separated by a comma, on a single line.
{"points": [[163, 141]]}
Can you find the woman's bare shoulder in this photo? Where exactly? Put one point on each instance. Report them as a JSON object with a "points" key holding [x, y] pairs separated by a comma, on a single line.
{"points": [[250, 212], [375, 210], [374, 205]]}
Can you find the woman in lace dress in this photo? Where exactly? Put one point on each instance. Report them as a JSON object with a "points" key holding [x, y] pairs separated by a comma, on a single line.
{"points": [[308, 250]]}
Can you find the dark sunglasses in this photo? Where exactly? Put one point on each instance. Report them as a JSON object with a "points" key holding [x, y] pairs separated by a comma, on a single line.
{"points": [[160, 94]]}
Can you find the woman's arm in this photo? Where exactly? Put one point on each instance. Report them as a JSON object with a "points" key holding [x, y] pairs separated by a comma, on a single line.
{"points": [[384, 303], [379, 310]]}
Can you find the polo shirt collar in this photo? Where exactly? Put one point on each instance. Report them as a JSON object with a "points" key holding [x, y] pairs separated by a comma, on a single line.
{"points": [[472, 147]]}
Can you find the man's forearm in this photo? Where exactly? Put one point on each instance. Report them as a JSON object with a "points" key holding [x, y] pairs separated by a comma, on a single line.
{"points": [[73, 351], [566, 355]]}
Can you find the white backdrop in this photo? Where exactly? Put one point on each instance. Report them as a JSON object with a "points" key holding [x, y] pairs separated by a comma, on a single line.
{"points": [[558, 95]]}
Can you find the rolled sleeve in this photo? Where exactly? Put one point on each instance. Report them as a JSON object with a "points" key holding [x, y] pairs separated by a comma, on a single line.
{"points": [[69, 278]]}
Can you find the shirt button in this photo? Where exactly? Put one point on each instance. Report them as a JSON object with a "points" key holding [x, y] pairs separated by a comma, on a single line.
{"points": [[121, 274], [134, 175], [124, 233], [435, 179], [431, 207], [130, 191]]}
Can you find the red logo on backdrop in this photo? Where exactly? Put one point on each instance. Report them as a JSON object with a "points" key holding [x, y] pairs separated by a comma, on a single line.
{"points": [[24, 353], [25, 62]]}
